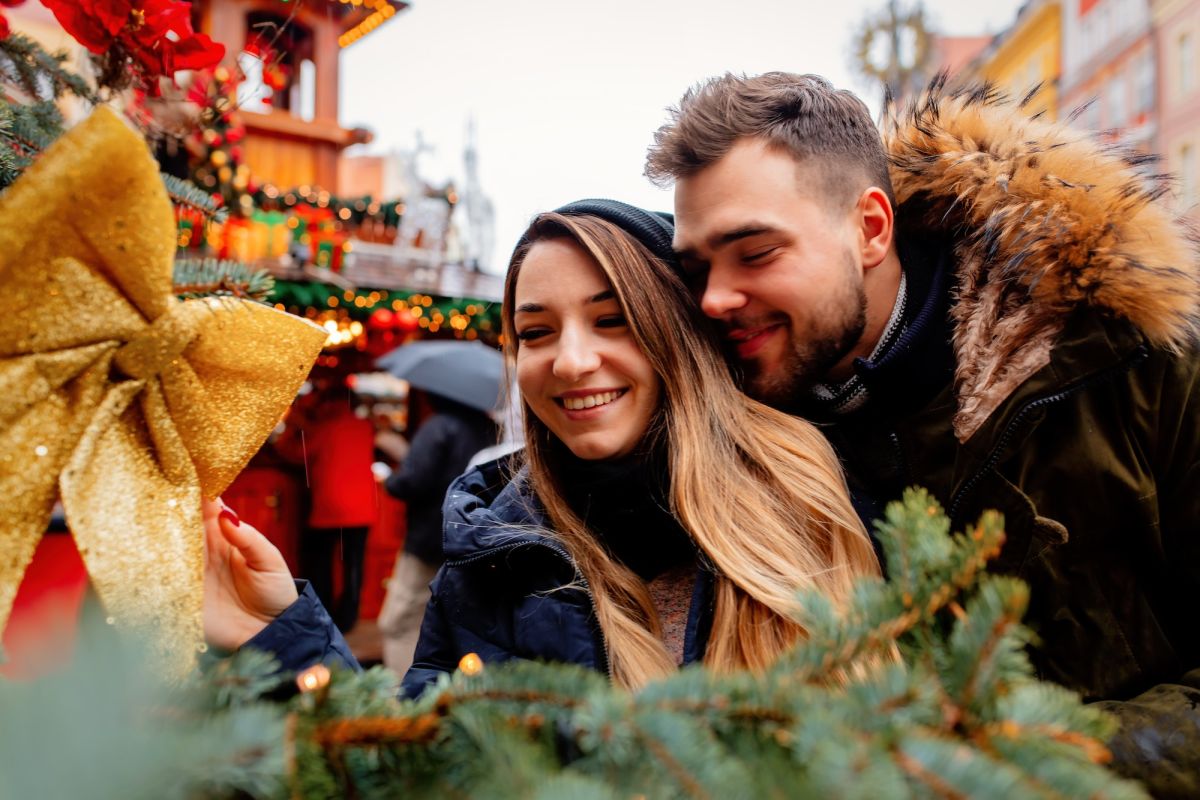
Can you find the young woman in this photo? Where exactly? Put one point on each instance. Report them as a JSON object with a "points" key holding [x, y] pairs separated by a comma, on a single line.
{"points": [[657, 516]]}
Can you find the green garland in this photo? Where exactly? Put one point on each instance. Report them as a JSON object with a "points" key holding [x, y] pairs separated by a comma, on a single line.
{"points": [[958, 713], [460, 317]]}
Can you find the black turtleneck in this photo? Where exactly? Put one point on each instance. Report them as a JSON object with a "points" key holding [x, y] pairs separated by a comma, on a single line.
{"points": [[920, 363], [624, 501]]}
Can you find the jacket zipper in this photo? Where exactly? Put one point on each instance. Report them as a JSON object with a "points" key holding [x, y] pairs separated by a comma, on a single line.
{"points": [[1141, 353], [587, 589]]}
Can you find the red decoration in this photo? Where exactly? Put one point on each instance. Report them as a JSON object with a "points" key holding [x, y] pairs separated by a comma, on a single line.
{"points": [[381, 319], [4, 29], [156, 35], [406, 322]]}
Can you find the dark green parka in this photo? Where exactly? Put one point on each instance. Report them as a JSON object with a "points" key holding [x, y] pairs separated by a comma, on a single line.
{"points": [[1070, 305]]}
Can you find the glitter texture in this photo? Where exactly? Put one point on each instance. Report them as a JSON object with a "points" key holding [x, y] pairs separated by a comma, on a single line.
{"points": [[117, 397]]}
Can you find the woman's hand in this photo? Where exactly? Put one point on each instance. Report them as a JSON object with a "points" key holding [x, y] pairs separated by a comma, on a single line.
{"points": [[246, 581]]}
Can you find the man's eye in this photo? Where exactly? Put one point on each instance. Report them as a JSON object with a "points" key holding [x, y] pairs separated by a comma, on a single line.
{"points": [[529, 334], [612, 321], [759, 255]]}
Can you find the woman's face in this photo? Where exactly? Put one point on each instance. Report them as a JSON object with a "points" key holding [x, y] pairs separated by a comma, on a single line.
{"points": [[578, 366]]}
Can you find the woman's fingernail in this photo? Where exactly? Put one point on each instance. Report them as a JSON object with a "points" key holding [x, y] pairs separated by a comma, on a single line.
{"points": [[228, 514]]}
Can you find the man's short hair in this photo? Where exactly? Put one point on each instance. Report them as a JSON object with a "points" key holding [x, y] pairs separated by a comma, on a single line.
{"points": [[824, 128]]}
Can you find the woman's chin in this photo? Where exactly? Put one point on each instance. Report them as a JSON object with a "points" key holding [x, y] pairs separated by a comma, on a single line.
{"points": [[592, 450]]}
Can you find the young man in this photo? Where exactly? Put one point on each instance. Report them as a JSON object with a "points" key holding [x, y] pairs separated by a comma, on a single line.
{"points": [[992, 307]]}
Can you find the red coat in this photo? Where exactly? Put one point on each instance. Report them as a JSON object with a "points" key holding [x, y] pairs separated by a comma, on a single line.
{"points": [[337, 449]]}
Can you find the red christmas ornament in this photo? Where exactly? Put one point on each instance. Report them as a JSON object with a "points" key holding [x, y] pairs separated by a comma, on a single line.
{"points": [[406, 322], [381, 319]]}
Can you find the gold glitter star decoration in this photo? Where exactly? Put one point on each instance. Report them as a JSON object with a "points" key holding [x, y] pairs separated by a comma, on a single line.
{"points": [[118, 398]]}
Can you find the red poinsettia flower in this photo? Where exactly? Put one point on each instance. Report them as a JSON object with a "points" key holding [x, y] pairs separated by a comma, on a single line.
{"points": [[93, 23], [156, 34], [5, 30]]}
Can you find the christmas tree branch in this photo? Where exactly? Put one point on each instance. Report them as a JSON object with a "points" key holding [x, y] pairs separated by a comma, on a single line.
{"points": [[210, 277], [186, 193], [672, 765]]}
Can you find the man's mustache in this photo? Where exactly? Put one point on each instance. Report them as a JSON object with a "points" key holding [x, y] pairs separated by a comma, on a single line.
{"points": [[747, 322]]}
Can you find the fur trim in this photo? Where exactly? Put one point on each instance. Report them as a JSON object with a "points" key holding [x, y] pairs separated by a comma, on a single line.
{"points": [[1047, 219]]}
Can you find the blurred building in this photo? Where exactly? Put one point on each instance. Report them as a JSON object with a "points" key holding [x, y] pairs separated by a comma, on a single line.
{"points": [[1177, 35], [955, 54], [1026, 55], [288, 55], [1109, 66]]}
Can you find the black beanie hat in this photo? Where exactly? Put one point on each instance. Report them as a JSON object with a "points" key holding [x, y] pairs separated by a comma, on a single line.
{"points": [[654, 229]]}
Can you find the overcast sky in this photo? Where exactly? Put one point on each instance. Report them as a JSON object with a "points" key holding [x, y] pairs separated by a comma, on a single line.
{"points": [[566, 94]]}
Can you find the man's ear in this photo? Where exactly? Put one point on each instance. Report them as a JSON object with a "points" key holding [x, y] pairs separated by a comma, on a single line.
{"points": [[876, 226]]}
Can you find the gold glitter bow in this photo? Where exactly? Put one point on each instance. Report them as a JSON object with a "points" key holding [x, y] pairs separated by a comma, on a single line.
{"points": [[124, 401]]}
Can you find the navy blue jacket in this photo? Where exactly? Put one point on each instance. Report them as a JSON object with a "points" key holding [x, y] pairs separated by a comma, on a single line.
{"points": [[499, 594], [303, 635]]}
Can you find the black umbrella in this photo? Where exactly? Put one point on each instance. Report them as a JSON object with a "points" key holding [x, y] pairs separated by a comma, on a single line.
{"points": [[466, 372]]}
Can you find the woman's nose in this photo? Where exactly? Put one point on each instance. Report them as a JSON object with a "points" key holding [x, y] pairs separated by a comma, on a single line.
{"points": [[577, 356]]}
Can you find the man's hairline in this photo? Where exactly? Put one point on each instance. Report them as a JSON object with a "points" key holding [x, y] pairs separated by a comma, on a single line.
{"points": [[800, 165]]}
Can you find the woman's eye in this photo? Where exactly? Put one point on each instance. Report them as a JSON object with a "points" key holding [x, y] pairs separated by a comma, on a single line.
{"points": [[612, 321], [529, 334]]}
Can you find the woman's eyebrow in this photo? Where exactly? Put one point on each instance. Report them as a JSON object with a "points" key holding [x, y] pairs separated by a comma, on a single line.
{"points": [[534, 308]]}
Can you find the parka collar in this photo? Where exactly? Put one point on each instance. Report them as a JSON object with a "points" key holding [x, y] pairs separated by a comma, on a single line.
{"points": [[1047, 220]]}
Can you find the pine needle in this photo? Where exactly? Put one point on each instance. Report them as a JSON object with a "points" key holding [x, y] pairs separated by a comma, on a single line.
{"points": [[212, 277], [186, 193]]}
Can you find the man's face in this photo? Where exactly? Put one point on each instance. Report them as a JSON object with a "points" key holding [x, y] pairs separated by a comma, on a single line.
{"points": [[777, 269]]}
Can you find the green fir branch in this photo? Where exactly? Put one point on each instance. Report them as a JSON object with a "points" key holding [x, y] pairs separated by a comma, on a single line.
{"points": [[957, 714], [185, 193], [40, 75], [212, 277]]}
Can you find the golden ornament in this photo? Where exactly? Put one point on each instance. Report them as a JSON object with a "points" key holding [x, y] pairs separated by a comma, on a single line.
{"points": [[127, 403], [219, 158]]}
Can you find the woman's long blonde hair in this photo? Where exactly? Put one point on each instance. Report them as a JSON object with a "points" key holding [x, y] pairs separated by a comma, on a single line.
{"points": [[759, 491]]}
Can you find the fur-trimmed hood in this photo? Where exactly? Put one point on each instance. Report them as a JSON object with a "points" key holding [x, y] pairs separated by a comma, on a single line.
{"points": [[1047, 219]]}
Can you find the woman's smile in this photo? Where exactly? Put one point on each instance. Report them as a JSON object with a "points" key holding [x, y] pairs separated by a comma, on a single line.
{"points": [[578, 403]]}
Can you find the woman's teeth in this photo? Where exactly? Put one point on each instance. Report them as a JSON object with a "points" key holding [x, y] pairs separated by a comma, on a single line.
{"points": [[590, 401]]}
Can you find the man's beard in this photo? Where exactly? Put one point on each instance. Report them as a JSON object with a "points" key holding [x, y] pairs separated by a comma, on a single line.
{"points": [[807, 360]]}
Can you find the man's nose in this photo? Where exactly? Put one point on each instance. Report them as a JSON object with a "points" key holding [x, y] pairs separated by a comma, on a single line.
{"points": [[577, 356], [720, 297]]}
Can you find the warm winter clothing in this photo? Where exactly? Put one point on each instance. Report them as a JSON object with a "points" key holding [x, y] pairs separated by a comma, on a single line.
{"points": [[440, 450], [499, 593], [336, 448], [1049, 369], [654, 229]]}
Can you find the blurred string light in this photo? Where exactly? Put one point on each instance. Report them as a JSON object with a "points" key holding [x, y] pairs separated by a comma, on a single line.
{"points": [[383, 11], [351, 316]]}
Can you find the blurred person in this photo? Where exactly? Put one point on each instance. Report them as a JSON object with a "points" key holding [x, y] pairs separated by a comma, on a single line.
{"points": [[336, 448], [657, 516], [446, 438]]}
